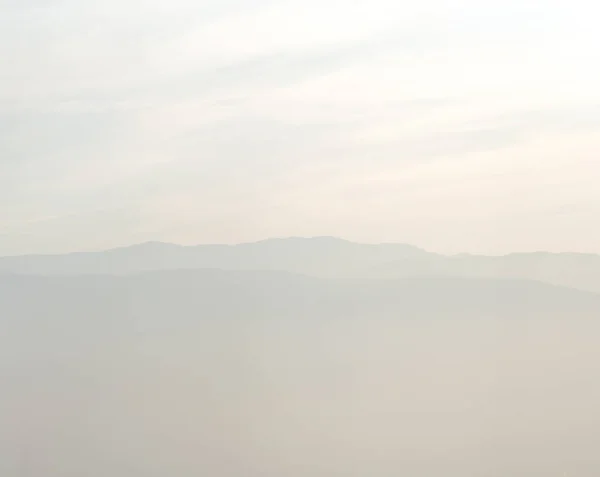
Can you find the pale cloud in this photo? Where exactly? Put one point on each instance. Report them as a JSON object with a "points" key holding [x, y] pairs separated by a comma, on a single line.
{"points": [[230, 120]]}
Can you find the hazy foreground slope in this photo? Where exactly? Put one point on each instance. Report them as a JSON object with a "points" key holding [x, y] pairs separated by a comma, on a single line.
{"points": [[226, 374], [106, 305], [320, 256]]}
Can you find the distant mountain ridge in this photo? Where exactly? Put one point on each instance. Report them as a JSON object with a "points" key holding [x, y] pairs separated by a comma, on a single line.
{"points": [[306, 255], [319, 257]]}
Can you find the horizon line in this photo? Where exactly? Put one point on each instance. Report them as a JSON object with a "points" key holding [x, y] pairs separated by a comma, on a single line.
{"points": [[291, 238]]}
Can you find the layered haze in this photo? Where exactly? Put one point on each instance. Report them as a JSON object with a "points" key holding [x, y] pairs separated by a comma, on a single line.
{"points": [[157, 358]]}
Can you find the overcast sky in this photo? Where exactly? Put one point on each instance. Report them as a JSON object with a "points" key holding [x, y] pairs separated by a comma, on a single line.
{"points": [[455, 125]]}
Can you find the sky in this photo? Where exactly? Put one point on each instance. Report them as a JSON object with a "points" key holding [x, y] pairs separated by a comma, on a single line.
{"points": [[454, 125]]}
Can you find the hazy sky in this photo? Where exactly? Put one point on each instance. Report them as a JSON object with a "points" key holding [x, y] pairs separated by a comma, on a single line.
{"points": [[456, 125]]}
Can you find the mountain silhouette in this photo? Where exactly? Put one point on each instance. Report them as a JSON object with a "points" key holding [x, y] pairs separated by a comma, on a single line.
{"points": [[319, 257]]}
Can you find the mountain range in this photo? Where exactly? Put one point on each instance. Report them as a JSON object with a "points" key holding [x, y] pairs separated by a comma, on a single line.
{"points": [[320, 257]]}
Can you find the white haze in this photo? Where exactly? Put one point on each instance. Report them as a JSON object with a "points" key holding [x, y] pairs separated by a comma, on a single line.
{"points": [[470, 128], [452, 399]]}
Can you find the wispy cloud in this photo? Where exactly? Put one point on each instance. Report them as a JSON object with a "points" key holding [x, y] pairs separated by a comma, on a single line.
{"points": [[229, 120]]}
